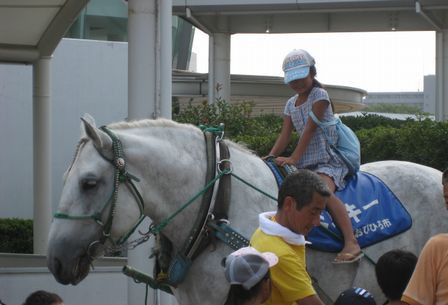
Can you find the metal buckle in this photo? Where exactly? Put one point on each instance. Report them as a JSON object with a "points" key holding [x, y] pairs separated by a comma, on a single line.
{"points": [[219, 163]]}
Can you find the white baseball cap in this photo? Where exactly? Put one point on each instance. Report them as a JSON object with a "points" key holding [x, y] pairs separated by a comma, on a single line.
{"points": [[247, 266], [296, 65]]}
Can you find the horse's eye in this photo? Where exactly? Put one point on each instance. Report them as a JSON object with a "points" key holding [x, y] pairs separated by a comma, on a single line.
{"points": [[88, 183]]}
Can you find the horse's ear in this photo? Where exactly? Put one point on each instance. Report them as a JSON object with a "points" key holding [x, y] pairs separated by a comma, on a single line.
{"points": [[88, 129]]}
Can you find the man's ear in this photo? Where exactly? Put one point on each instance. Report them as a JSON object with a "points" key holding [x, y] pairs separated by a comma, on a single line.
{"points": [[289, 203]]}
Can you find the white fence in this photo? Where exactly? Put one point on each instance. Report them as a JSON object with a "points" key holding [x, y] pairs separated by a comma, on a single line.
{"points": [[21, 274]]}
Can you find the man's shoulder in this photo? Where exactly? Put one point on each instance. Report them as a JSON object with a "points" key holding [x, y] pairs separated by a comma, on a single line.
{"points": [[270, 243], [439, 240], [440, 237]]}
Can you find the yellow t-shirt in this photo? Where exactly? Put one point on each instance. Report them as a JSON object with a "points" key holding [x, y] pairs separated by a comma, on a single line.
{"points": [[290, 280], [429, 282]]}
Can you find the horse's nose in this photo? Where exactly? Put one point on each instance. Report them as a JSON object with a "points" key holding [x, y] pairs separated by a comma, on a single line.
{"points": [[55, 266]]}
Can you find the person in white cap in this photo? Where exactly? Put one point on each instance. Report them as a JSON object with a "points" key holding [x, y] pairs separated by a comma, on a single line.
{"points": [[247, 271], [312, 150]]}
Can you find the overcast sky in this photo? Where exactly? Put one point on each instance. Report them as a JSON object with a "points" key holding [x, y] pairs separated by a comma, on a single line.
{"points": [[376, 62]]}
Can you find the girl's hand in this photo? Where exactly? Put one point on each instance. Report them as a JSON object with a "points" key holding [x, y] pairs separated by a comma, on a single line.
{"points": [[285, 160], [267, 157]]}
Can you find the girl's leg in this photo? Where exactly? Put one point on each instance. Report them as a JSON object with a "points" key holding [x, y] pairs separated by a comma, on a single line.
{"points": [[339, 213]]}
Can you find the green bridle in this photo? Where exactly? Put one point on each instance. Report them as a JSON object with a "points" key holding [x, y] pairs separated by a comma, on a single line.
{"points": [[121, 175]]}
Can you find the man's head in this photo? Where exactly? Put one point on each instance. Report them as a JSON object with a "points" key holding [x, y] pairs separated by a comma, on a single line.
{"points": [[393, 272], [41, 297], [301, 199], [445, 186]]}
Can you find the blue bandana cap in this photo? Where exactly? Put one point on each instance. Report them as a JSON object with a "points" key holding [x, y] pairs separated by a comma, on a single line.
{"points": [[296, 65]]}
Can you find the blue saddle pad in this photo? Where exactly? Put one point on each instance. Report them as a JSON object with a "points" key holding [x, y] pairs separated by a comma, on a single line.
{"points": [[375, 212]]}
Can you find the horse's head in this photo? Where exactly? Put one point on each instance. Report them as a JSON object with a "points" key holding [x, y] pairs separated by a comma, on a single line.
{"points": [[96, 187]]}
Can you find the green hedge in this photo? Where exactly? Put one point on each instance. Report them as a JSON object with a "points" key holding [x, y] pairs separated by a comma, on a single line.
{"points": [[16, 235], [421, 141], [368, 121], [236, 118]]}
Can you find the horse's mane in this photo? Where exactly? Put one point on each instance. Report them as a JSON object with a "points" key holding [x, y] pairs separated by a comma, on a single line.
{"points": [[161, 122], [81, 143]]}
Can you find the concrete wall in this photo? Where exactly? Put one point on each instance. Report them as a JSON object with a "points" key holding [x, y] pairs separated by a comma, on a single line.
{"points": [[87, 76], [105, 285]]}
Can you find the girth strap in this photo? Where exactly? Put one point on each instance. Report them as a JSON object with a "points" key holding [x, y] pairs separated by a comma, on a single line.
{"points": [[218, 206], [222, 204]]}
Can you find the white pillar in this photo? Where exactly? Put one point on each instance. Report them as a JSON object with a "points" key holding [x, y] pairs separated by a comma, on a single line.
{"points": [[142, 33], [441, 112], [142, 80], [149, 96], [221, 68], [165, 99], [42, 153], [166, 57]]}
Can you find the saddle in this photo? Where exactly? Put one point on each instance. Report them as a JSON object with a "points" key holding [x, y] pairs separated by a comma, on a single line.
{"points": [[374, 210]]}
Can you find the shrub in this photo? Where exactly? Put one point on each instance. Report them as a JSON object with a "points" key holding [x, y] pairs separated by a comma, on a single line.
{"points": [[424, 142], [368, 121], [16, 235], [393, 108], [379, 143], [234, 116]]}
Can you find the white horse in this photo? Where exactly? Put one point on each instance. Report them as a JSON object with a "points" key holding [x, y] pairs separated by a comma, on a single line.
{"points": [[169, 160]]}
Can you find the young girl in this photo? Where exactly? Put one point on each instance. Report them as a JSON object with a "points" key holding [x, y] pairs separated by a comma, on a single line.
{"points": [[312, 151]]}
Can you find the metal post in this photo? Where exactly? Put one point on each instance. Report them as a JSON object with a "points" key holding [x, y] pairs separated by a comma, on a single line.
{"points": [[42, 153]]}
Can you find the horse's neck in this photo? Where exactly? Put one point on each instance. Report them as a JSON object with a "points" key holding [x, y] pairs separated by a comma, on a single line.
{"points": [[171, 166]]}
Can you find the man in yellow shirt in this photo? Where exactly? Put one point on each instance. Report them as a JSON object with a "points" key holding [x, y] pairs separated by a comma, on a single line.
{"points": [[301, 199]]}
